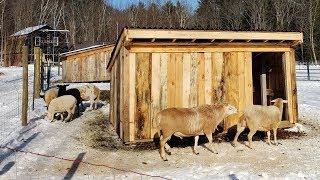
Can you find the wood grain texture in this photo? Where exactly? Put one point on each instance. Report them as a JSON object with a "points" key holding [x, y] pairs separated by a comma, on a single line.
{"points": [[217, 76], [201, 79], [231, 86], [143, 93], [208, 78], [171, 80], [287, 67], [294, 87], [248, 79], [155, 90], [178, 80], [186, 79], [194, 80], [164, 57], [132, 95]]}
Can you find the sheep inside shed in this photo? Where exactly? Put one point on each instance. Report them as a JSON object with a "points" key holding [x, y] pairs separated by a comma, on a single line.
{"points": [[261, 118], [186, 122]]}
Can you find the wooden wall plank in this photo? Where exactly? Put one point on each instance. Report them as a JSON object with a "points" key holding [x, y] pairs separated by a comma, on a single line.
{"points": [[178, 80], [194, 80], [155, 91], [186, 79], [143, 87], [208, 78], [125, 95], [241, 81], [217, 76], [132, 95], [171, 80], [294, 87], [231, 85], [248, 79], [287, 67], [201, 79], [164, 58]]}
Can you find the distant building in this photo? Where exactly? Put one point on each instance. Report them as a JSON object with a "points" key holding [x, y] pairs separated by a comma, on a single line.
{"points": [[52, 42]]}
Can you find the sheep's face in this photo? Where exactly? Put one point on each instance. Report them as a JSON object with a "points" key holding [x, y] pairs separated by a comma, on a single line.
{"points": [[231, 110]]}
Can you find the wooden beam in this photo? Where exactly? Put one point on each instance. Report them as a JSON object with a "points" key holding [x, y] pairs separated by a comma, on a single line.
{"points": [[193, 40], [231, 40], [153, 39], [248, 40], [174, 40], [212, 40], [177, 49], [205, 34]]}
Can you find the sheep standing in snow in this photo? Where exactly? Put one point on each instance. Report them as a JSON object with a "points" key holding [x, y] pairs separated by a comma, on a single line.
{"points": [[90, 93], [186, 122], [62, 104], [73, 92], [261, 118], [50, 95]]}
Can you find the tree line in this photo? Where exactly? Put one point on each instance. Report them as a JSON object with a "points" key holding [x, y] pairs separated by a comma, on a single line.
{"points": [[96, 21]]}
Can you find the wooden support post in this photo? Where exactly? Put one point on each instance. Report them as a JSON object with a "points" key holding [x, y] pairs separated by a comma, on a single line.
{"points": [[263, 84], [24, 115], [37, 73]]}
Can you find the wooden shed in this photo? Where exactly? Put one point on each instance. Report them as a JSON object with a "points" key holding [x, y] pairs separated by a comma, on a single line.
{"points": [[50, 41], [154, 69], [87, 64]]}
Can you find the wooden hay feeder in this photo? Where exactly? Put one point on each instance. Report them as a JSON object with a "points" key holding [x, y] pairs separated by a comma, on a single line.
{"points": [[155, 69]]}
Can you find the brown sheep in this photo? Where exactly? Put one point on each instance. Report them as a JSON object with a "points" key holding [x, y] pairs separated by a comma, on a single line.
{"points": [[261, 118], [186, 122]]}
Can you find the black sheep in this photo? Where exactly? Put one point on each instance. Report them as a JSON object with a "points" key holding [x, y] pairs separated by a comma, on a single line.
{"points": [[73, 92]]}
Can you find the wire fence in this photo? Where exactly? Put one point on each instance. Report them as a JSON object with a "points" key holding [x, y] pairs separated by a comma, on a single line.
{"points": [[305, 72]]}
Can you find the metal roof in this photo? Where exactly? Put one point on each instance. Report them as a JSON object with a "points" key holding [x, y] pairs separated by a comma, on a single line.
{"points": [[29, 30]]}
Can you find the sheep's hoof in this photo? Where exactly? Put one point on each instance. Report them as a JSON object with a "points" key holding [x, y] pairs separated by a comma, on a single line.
{"points": [[215, 152], [165, 160], [234, 144], [276, 144], [169, 153]]}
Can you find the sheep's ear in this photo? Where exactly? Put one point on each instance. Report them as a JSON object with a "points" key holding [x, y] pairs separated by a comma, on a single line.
{"points": [[273, 101]]}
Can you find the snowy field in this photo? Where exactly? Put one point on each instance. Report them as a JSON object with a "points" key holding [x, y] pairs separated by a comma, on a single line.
{"points": [[45, 150]]}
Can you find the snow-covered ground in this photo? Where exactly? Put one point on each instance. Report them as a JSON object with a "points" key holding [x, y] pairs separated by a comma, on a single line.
{"points": [[53, 150]]}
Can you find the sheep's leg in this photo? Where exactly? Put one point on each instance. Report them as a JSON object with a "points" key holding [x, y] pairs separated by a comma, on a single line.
{"points": [[250, 135], [167, 148], [275, 137], [91, 104], [196, 139], [163, 142], [68, 117], [209, 136], [269, 134], [240, 129]]}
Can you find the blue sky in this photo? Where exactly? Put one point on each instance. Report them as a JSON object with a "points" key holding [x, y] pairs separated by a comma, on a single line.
{"points": [[121, 4]]}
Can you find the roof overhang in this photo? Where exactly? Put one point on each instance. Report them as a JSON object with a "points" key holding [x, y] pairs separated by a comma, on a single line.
{"points": [[202, 37]]}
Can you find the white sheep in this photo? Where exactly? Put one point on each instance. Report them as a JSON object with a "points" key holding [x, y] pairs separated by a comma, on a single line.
{"points": [[50, 95], [261, 118], [62, 104], [90, 93], [186, 122]]}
